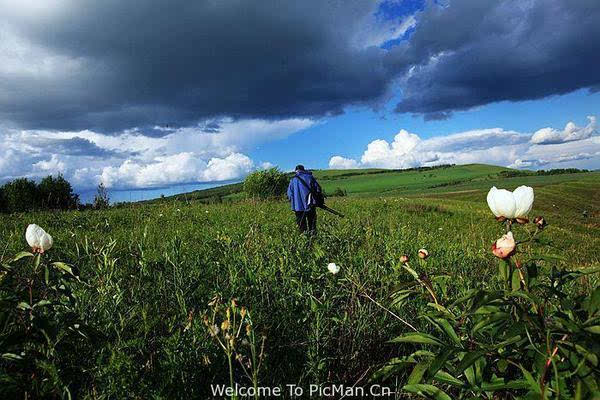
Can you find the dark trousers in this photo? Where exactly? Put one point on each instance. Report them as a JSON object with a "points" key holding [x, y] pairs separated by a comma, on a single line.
{"points": [[307, 220]]}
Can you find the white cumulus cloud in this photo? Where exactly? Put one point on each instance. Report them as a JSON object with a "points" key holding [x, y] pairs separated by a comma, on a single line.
{"points": [[571, 133], [209, 152], [578, 146]]}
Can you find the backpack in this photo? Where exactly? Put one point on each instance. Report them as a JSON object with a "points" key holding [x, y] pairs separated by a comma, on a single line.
{"points": [[314, 198]]}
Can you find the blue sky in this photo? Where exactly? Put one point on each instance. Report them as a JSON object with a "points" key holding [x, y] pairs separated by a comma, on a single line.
{"points": [[151, 100], [350, 133]]}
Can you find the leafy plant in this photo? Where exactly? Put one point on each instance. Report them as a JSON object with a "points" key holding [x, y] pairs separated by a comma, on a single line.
{"points": [[533, 336], [264, 184], [39, 327]]}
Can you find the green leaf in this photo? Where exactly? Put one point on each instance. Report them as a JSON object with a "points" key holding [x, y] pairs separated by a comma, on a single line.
{"points": [[427, 391], [438, 362], [516, 280], [23, 306], [42, 303], [11, 356], [411, 271], [499, 384], [593, 329], [503, 269], [468, 360], [22, 254], [61, 266], [417, 373], [444, 377], [533, 384], [390, 368], [445, 325], [418, 337], [488, 320]]}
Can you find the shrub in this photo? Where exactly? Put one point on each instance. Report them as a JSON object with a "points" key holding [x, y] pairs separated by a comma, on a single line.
{"points": [[338, 192], [264, 184]]}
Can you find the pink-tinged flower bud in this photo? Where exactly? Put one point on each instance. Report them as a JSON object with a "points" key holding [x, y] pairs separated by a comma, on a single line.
{"points": [[403, 258], [540, 222], [522, 220], [505, 246], [423, 254]]}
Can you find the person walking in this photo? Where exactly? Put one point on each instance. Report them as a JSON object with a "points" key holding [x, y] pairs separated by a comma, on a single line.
{"points": [[302, 191]]}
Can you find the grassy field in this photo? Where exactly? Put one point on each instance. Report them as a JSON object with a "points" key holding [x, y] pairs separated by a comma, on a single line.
{"points": [[149, 272]]}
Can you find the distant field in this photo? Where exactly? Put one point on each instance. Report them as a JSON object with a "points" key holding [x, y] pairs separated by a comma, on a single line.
{"points": [[376, 182], [150, 270]]}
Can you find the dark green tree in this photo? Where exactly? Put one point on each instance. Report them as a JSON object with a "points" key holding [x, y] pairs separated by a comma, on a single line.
{"points": [[21, 195], [101, 200], [2, 201], [56, 193]]}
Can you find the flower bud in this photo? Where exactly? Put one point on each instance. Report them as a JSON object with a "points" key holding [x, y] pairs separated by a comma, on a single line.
{"points": [[38, 239], [505, 246], [403, 258], [243, 312], [540, 222], [423, 254], [248, 330], [522, 220], [233, 303]]}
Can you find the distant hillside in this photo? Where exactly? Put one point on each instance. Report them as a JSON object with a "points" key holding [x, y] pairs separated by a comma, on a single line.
{"points": [[408, 182]]}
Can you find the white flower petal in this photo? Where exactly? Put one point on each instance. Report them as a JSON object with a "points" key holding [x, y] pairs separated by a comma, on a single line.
{"points": [[524, 200], [334, 269], [37, 238], [491, 201], [505, 203]]}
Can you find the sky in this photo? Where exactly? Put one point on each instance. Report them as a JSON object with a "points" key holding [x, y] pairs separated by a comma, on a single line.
{"points": [[160, 97]]}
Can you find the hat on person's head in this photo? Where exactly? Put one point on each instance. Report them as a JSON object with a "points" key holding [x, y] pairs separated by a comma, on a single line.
{"points": [[299, 167]]}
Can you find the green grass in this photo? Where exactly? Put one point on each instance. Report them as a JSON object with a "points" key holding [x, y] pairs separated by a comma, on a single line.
{"points": [[151, 269]]}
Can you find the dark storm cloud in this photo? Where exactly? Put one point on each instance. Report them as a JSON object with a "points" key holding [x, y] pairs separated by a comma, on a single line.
{"points": [[478, 52], [137, 63], [111, 65], [76, 146]]}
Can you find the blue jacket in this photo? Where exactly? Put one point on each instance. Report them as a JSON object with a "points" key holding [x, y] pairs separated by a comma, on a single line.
{"points": [[298, 193]]}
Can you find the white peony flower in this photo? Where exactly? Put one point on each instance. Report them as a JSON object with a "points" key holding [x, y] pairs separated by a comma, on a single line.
{"points": [[333, 268], [504, 203], [38, 239]]}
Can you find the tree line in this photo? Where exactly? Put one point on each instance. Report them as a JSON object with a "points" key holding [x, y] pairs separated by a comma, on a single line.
{"points": [[51, 193]]}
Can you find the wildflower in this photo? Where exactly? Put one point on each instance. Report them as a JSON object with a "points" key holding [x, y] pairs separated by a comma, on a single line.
{"points": [[505, 246], [333, 268], [225, 325], [403, 258], [213, 330], [423, 253], [510, 205], [243, 312], [540, 222], [38, 239]]}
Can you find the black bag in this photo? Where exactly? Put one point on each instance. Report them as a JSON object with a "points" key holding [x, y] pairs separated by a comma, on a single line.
{"points": [[314, 198]]}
